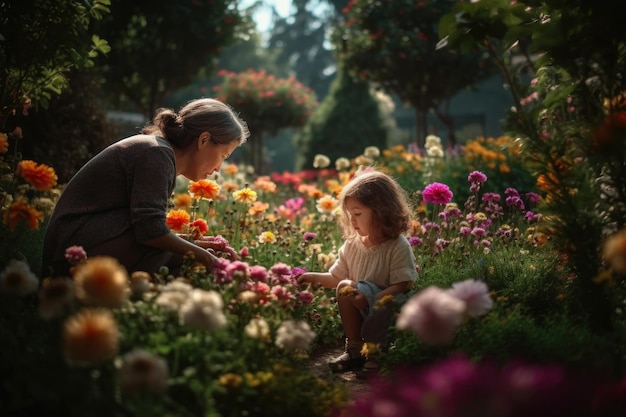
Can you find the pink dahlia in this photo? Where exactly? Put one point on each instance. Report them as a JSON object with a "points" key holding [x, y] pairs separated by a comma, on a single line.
{"points": [[437, 193]]}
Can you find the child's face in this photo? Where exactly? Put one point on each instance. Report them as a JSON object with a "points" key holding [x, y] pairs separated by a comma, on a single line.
{"points": [[360, 216]]}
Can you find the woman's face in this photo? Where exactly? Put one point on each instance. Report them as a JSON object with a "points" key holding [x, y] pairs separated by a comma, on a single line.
{"points": [[360, 216], [209, 158]]}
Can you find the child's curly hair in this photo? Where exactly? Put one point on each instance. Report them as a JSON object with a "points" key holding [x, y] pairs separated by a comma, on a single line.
{"points": [[389, 202]]}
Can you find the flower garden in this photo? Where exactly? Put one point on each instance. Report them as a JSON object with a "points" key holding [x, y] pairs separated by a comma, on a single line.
{"points": [[496, 324]]}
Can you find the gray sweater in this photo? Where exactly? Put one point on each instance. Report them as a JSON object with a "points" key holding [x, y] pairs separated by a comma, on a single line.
{"points": [[125, 187]]}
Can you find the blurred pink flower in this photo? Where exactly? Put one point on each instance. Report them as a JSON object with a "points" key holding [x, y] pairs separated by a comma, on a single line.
{"points": [[433, 315], [475, 294]]}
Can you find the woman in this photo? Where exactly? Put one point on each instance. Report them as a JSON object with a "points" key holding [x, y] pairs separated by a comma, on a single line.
{"points": [[116, 204]]}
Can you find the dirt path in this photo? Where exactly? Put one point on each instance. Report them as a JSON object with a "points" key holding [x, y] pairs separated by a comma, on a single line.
{"points": [[319, 367]]}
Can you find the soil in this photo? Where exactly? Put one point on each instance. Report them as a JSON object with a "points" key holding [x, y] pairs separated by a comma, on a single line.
{"points": [[319, 367]]}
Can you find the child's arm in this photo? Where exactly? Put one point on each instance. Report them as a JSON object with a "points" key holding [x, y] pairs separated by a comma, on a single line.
{"points": [[325, 279], [393, 289]]}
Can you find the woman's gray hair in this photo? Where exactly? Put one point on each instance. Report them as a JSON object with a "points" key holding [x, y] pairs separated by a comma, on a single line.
{"points": [[198, 116]]}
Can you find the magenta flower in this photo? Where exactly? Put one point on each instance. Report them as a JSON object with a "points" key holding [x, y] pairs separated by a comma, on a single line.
{"points": [[306, 297], [415, 241], [437, 193], [75, 254], [308, 236], [476, 177], [258, 273]]}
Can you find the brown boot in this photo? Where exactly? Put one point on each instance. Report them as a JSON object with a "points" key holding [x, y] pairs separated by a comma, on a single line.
{"points": [[350, 359]]}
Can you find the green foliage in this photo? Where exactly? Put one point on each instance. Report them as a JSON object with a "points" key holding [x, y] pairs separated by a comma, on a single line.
{"points": [[394, 45], [159, 46], [349, 118], [42, 42]]}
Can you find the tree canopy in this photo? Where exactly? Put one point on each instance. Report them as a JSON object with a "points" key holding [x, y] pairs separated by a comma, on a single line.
{"points": [[159, 46], [394, 45]]}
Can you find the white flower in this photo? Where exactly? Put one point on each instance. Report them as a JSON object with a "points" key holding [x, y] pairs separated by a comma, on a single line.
{"points": [[435, 152], [203, 310], [173, 295], [475, 294], [342, 164], [371, 152], [17, 278], [432, 140], [257, 328], [433, 315], [143, 372], [294, 335], [321, 161]]}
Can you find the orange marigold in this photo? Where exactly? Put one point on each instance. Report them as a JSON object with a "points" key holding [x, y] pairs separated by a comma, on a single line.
{"points": [[182, 201], [91, 336], [4, 143], [21, 211], [204, 188], [231, 169], [40, 176], [258, 208], [177, 220]]}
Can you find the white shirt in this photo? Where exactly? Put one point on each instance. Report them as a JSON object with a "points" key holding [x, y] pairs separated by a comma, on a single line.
{"points": [[385, 264]]}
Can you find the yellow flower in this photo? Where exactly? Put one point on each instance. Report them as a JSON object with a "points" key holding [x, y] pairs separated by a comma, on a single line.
{"points": [[245, 195], [101, 281], [20, 211], [90, 336], [267, 237], [40, 176], [177, 220], [230, 380], [327, 204], [204, 188]]}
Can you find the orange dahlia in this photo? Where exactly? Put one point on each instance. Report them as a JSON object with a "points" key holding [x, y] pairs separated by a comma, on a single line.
{"points": [[21, 211], [204, 188], [177, 220], [40, 176]]}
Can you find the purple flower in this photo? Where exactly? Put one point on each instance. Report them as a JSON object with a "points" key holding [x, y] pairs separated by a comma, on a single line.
{"points": [[532, 198], [415, 241], [437, 193], [476, 177], [308, 236]]}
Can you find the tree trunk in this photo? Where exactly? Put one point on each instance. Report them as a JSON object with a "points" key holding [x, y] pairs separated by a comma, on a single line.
{"points": [[447, 120], [421, 127]]}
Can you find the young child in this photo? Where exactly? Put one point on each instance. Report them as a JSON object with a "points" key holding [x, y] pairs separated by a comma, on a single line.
{"points": [[375, 260]]}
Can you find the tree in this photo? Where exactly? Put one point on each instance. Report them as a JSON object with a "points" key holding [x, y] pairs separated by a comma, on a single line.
{"points": [[159, 46], [302, 45], [267, 104], [348, 118], [394, 45], [40, 43]]}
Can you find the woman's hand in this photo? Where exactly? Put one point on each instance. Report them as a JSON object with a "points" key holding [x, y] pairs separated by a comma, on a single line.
{"points": [[217, 244]]}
